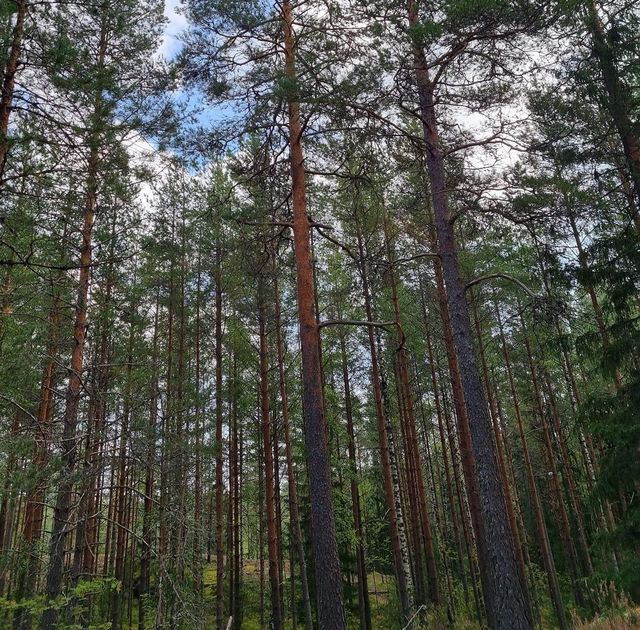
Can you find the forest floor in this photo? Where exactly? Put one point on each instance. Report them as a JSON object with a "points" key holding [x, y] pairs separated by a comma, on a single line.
{"points": [[383, 611]]}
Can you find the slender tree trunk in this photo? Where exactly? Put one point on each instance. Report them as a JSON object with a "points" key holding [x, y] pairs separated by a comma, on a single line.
{"points": [[597, 310], [218, 442], [364, 606], [407, 486], [235, 477], [69, 455], [465, 514], [165, 437], [543, 536], [618, 102], [95, 454], [85, 552], [565, 528], [179, 473], [272, 542], [261, 518], [293, 491], [197, 481], [8, 501], [394, 508], [278, 506], [566, 466], [414, 450], [121, 516], [147, 525], [327, 565]]}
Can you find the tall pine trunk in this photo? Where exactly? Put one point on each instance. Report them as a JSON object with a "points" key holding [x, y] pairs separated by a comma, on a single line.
{"points": [[293, 485], [503, 584], [364, 605], [218, 441], [394, 507], [265, 420], [60, 529], [327, 564], [9, 80]]}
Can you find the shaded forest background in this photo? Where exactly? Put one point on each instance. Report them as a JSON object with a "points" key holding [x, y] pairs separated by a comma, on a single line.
{"points": [[329, 321]]}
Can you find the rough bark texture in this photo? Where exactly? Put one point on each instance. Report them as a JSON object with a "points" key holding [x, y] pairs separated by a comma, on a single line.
{"points": [[327, 565], [265, 420], [505, 593], [396, 522], [9, 80], [62, 508], [293, 485]]}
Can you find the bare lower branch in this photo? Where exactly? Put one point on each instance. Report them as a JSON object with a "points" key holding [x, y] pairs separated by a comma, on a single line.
{"points": [[354, 322], [504, 276], [265, 223], [337, 243], [400, 261]]}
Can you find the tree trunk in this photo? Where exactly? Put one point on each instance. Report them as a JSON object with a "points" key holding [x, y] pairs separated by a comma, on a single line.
{"points": [[443, 447], [498, 441], [293, 490], [327, 565], [218, 442], [618, 101], [62, 508], [505, 593], [565, 528], [272, 542], [364, 606], [412, 436], [197, 481], [396, 522], [147, 525], [8, 81], [236, 611], [121, 522], [543, 537]]}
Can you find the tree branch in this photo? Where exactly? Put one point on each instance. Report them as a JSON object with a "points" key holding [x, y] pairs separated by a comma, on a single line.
{"points": [[354, 322], [337, 243], [504, 276]]}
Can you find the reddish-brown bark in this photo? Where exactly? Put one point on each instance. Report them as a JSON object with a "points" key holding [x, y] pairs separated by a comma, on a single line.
{"points": [[9, 80], [265, 420], [396, 523], [327, 565], [293, 484], [412, 437]]}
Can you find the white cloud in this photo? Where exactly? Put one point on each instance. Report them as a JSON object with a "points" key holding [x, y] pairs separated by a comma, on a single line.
{"points": [[171, 45]]}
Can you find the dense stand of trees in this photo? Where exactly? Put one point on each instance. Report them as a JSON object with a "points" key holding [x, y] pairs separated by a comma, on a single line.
{"points": [[330, 321]]}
